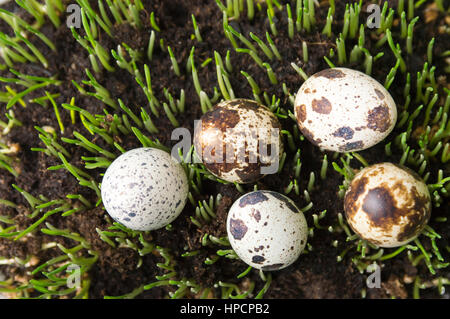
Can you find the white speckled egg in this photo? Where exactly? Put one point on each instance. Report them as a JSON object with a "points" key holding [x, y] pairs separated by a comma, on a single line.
{"points": [[144, 189], [387, 204], [344, 110], [239, 141], [266, 230]]}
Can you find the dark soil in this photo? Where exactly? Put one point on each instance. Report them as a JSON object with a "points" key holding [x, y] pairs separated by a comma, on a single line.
{"points": [[316, 274]]}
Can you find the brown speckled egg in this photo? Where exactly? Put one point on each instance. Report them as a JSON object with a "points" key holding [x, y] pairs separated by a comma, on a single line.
{"points": [[344, 110], [387, 204], [239, 141]]}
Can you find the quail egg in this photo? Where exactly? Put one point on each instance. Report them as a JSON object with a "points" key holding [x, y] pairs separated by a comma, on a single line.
{"points": [[239, 141], [266, 230], [344, 110], [387, 204], [144, 189]]}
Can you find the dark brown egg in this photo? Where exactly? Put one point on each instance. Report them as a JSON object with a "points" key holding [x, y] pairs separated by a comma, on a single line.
{"points": [[239, 141], [387, 204]]}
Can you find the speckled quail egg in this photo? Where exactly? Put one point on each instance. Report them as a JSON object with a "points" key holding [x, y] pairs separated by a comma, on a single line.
{"points": [[239, 141], [144, 189], [266, 230], [387, 204], [344, 110]]}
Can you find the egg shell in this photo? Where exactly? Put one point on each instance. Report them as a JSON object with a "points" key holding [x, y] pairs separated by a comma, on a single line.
{"points": [[236, 122], [387, 204], [344, 110], [266, 230], [144, 189]]}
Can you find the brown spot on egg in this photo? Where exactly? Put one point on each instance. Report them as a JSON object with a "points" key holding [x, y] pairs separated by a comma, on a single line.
{"points": [[379, 94], [220, 117], [418, 211], [261, 247], [307, 91], [413, 228], [384, 212], [330, 74], [257, 259], [285, 200], [219, 168], [400, 188], [378, 119], [256, 214], [245, 104], [272, 267], [251, 172], [380, 207], [252, 199], [376, 171], [238, 228], [322, 106], [345, 132], [301, 113], [357, 188], [351, 146], [249, 175]]}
